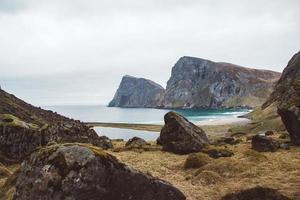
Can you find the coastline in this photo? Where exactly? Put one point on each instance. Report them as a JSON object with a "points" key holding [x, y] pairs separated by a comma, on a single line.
{"points": [[211, 127]]}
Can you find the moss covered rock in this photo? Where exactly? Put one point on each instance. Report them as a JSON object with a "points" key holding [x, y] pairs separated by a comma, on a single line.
{"points": [[80, 171]]}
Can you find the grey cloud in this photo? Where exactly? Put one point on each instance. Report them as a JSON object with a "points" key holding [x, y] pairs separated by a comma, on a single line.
{"points": [[45, 44]]}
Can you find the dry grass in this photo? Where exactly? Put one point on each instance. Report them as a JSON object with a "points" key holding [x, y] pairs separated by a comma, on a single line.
{"points": [[247, 168]]}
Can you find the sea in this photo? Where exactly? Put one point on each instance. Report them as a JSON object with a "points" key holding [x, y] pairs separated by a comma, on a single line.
{"points": [[101, 113]]}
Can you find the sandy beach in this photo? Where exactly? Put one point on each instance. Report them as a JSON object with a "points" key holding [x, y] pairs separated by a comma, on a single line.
{"points": [[211, 127]]}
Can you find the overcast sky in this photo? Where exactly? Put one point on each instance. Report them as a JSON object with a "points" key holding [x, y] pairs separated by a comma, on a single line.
{"points": [[76, 51]]}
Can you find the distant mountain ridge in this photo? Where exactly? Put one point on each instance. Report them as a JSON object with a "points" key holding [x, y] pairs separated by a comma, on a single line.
{"points": [[199, 83]]}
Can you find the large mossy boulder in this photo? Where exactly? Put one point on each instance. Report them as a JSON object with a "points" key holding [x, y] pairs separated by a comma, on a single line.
{"points": [[256, 193], [287, 97], [181, 136], [79, 172]]}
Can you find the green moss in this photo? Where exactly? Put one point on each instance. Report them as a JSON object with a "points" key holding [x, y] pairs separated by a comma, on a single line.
{"points": [[10, 120]]}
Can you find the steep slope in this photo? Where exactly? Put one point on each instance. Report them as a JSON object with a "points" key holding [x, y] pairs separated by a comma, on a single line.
{"points": [[200, 83], [137, 92], [24, 127], [286, 96]]}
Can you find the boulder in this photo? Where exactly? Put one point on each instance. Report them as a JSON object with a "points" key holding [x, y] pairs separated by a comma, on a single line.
{"points": [[215, 152], [82, 172], [180, 136], [264, 144], [136, 142], [256, 193]]}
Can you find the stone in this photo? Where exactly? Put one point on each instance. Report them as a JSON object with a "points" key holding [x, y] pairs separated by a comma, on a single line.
{"points": [[286, 96], [264, 144], [180, 136], [136, 142], [256, 193], [82, 172], [268, 133], [215, 152], [137, 92]]}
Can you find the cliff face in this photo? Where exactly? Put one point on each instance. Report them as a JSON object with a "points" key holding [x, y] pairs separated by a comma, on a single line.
{"points": [[24, 127], [199, 83], [137, 92], [286, 96]]}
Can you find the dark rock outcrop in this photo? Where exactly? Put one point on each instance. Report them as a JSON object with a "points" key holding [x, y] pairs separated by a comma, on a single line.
{"points": [[136, 142], [137, 92], [256, 193], [180, 136], [200, 83], [24, 127], [286, 95], [85, 172], [264, 144]]}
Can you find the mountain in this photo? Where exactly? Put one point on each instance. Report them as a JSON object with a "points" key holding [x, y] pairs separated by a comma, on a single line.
{"points": [[286, 96], [199, 83], [137, 92], [24, 127]]}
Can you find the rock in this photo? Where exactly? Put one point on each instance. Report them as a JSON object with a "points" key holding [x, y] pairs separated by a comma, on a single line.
{"points": [[286, 96], [180, 136], [228, 140], [86, 172], [264, 144], [285, 146], [137, 92], [200, 83], [215, 152], [256, 193], [268, 133], [196, 160], [24, 127], [136, 142]]}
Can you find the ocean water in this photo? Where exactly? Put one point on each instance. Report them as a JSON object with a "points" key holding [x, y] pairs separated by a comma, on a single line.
{"points": [[98, 113]]}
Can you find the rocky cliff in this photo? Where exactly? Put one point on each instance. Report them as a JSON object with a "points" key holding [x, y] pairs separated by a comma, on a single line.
{"points": [[137, 92], [199, 83], [286, 96], [24, 127]]}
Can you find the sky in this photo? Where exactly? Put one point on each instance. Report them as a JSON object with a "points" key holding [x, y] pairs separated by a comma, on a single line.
{"points": [[75, 52]]}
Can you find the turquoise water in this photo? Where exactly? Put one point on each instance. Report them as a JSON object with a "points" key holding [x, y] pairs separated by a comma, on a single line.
{"points": [[137, 115], [140, 115]]}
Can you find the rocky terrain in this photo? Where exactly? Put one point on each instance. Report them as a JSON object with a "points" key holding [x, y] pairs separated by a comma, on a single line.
{"points": [[137, 92], [199, 83], [24, 127], [286, 97]]}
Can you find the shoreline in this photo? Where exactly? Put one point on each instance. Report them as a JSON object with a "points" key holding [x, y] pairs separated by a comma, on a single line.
{"points": [[213, 127]]}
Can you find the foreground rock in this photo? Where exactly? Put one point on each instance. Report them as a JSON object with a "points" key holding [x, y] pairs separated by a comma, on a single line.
{"points": [[81, 172], [181, 136], [264, 144], [136, 142], [137, 92], [257, 193], [24, 127], [287, 96]]}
